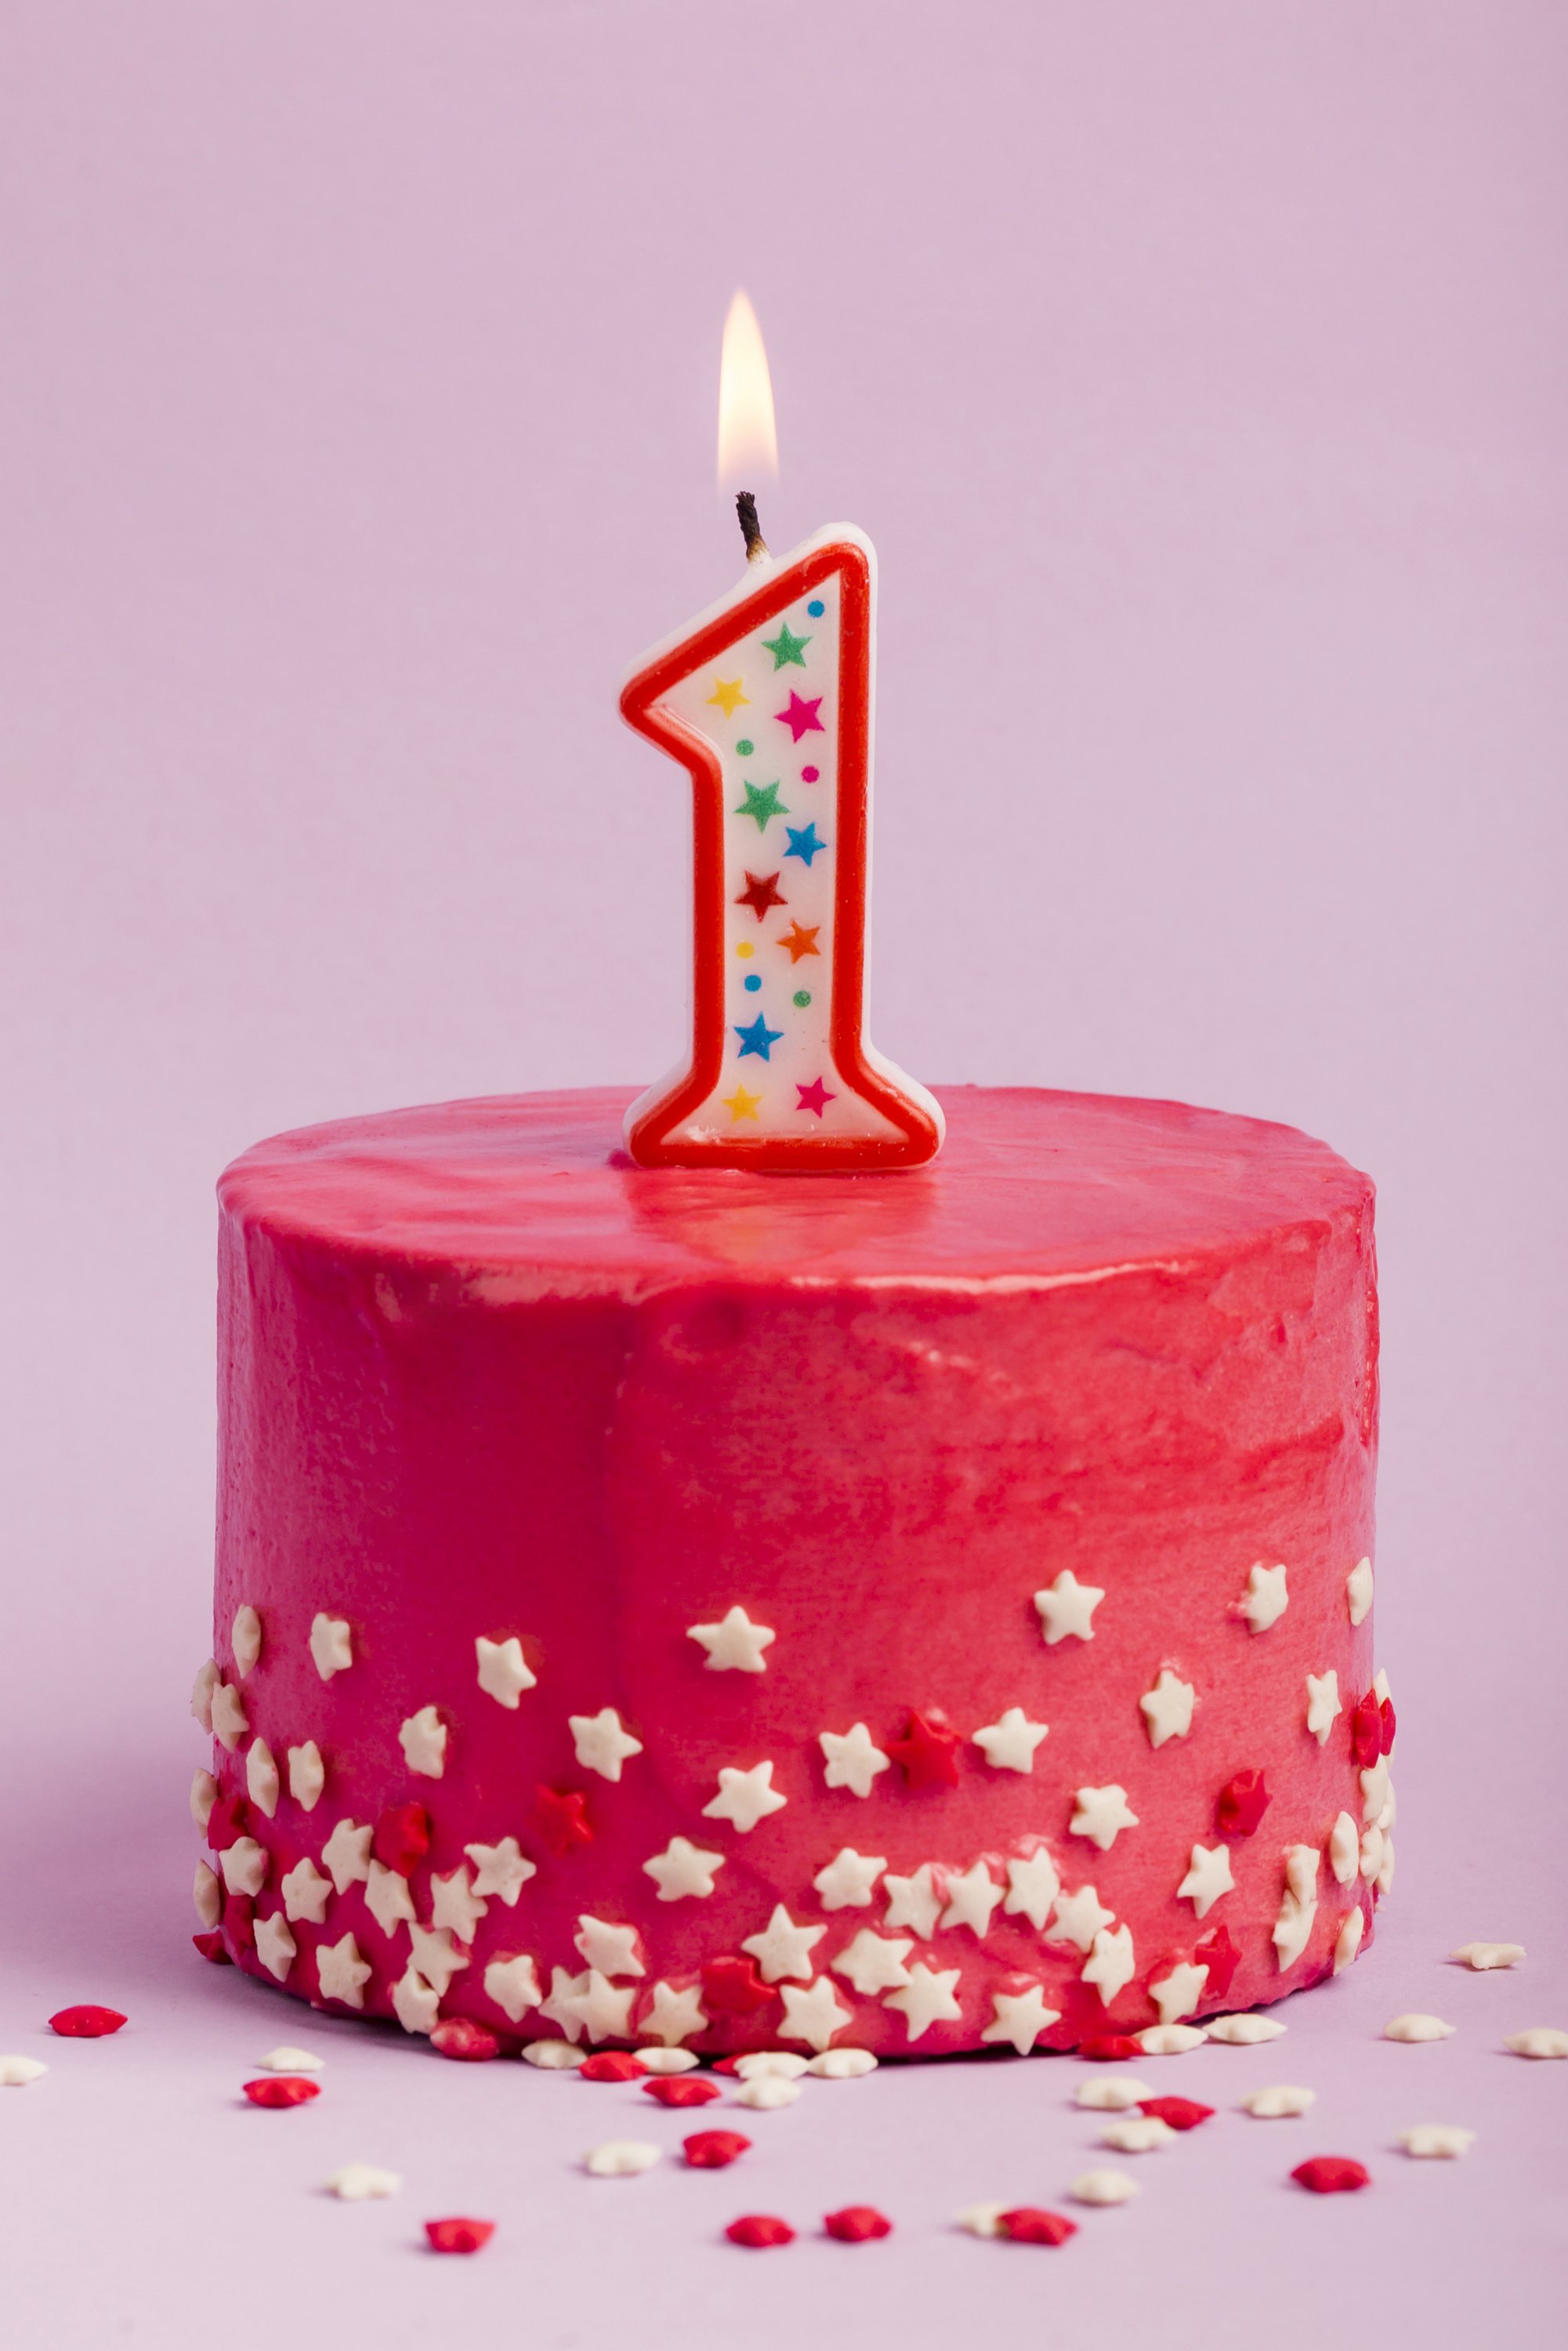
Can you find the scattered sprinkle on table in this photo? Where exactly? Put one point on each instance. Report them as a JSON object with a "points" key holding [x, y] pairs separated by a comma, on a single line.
{"points": [[554, 2056], [458, 2235], [1181, 2113], [86, 2023], [282, 2090], [1111, 2092], [1136, 2134], [769, 2090], [357, 2183], [1109, 2048], [613, 2065], [1332, 2175], [1170, 2040], [1539, 2041], [291, 2061], [711, 2150], [469, 2044], [1417, 2027], [1482, 1956], [1436, 2139], [15, 2072], [1026, 2224], [680, 2090], [1280, 2099], [1102, 2188], [621, 2158], [843, 2064], [981, 2219], [668, 2061], [1243, 2031], [760, 2065], [760, 2230], [856, 2224]]}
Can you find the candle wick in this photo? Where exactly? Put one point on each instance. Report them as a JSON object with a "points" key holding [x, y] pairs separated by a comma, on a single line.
{"points": [[750, 528]]}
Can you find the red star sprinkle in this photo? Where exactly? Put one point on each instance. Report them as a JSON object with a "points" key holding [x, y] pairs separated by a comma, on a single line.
{"points": [[460, 2037], [800, 717], [759, 2229], [282, 2090], [1366, 1731], [816, 1096], [712, 2150], [239, 1923], [1026, 2224], [613, 2065], [1105, 2047], [1242, 1805], [1219, 1954], [681, 2090], [1332, 2175], [761, 893], [856, 2224], [402, 1838], [734, 1988], [928, 1750], [86, 2023], [458, 2236], [227, 1822], [1386, 1714], [1182, 2114], [561, 1819]]}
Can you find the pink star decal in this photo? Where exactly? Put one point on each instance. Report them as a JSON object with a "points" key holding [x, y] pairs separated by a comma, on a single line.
{"points": [[800, 717], [813, 1097]]}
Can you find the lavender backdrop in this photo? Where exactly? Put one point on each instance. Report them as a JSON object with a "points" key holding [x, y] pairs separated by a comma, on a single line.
{"points": [[1199, 372]]}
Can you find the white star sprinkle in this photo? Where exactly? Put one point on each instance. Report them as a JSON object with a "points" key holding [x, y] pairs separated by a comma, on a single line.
{"points": [[783, 1948], [1358, 1590], [734, 1645], [288, 2060], [1265, 1599], [564, 1991], [673, 2015], [972, 1894], [15, 2072], [1344, 1850], [554, 2056], [230, 1720], [1347, 1942], [981, 2219], [745, 1798], [621, 2158], [1243, 2031], [1111, 2092], [1079, 1918], [342, 1973], [853, 1761], [1020, 2017], [306, 1893], [1371, 1853], [501, 1870], [201, 1690], [604, 2009], [246, 1640], [1385, 1868], [667, 2061], [347, 1854], [203, 1796], [1537, 2041], [355, 2182], [207, 1894], [1065, 1609], [1136, 2134], [873, 1963], [603, 1741], [423, 1741], [275, 1945], [1279, 2103], [1444, 2139], [415, 2004], [1168, 1708], [388, 1899], [928, 1998], [306, 1775], [1208, 1878], [436, 1956], [1101, 1814], [455, 1904], [785, 2062], [1482, 1956], [1102, 2188], [261, 1782], [848, 1880], [1032, 1887], [842, 2065], [812, 2014], [513, 1983], [1009, 1743], [502, 1669], [770, 2090], [1323, 1704], [682, 1869], [1298, 1907], [244, 1865], [1170, 2040], [1177, 1992], [613, 1950], [914, 1902], [332, 1646], [1417, 2027], [1110, 1966]]}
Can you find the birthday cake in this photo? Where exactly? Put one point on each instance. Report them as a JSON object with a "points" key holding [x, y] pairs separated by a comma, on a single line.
{"points": [[908, 1612]]}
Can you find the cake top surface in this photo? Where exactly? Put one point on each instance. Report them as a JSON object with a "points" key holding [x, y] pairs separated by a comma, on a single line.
{"points": [[1031, 1187]]}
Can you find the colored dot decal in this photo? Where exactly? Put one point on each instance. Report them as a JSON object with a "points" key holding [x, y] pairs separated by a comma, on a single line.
{"points": [[753, 982], [802, 996], [816, 607], [745, 746], [745, 949], [810, 775]]}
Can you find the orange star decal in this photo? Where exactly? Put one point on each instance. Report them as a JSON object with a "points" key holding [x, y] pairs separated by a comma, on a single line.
{"points": [[800, 941]]}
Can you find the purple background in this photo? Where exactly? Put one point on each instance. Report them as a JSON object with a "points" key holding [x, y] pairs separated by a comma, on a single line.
{"points": [[1200, 372]]}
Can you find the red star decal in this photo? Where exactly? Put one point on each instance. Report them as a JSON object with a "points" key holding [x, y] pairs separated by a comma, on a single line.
{"points": [[561, 1820], [800, 717], [1366, 1731], [733, 1987], [816, 1097], [402, 1838], [1242, 1805], [800, 941], [760, 892], [1386, 1715], [928, 1750], [1219, 1954]]}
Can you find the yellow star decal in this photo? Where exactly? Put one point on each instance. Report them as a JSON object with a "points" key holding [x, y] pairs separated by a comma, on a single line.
{"points": [[728, 696], [740, 1105]]}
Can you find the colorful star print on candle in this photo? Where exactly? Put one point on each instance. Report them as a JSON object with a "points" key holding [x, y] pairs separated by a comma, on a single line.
{"points": [[778, 1075]]}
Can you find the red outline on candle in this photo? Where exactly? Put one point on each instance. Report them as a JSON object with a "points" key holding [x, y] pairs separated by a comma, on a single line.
{"points": [[649, 1139]]}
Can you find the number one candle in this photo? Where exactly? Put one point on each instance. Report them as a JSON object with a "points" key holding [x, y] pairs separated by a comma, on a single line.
{"points": [[766, 701]]}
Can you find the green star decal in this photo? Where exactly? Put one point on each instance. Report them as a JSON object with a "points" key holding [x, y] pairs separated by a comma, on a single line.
{"points": [[762, 801], [786, 648]]}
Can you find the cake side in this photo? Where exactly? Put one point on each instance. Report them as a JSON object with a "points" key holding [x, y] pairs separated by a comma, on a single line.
{"points": [[714, 1588]]}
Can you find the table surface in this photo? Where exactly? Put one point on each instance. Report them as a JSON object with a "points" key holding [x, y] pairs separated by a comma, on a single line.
{"points": [[145, 2200]]}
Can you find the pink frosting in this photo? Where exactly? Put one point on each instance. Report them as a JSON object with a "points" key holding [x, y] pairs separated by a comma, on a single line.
{"points": [[482, 1378]]}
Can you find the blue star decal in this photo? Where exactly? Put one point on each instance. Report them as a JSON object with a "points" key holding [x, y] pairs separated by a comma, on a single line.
{"points": [[757, 1038], [804, 843]]}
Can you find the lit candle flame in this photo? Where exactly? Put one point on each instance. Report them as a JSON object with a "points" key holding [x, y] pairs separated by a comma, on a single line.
{"points": [[747, 439]]}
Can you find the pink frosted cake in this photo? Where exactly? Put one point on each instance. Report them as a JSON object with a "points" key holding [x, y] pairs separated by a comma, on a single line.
{"points": [[897, 1612]]}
